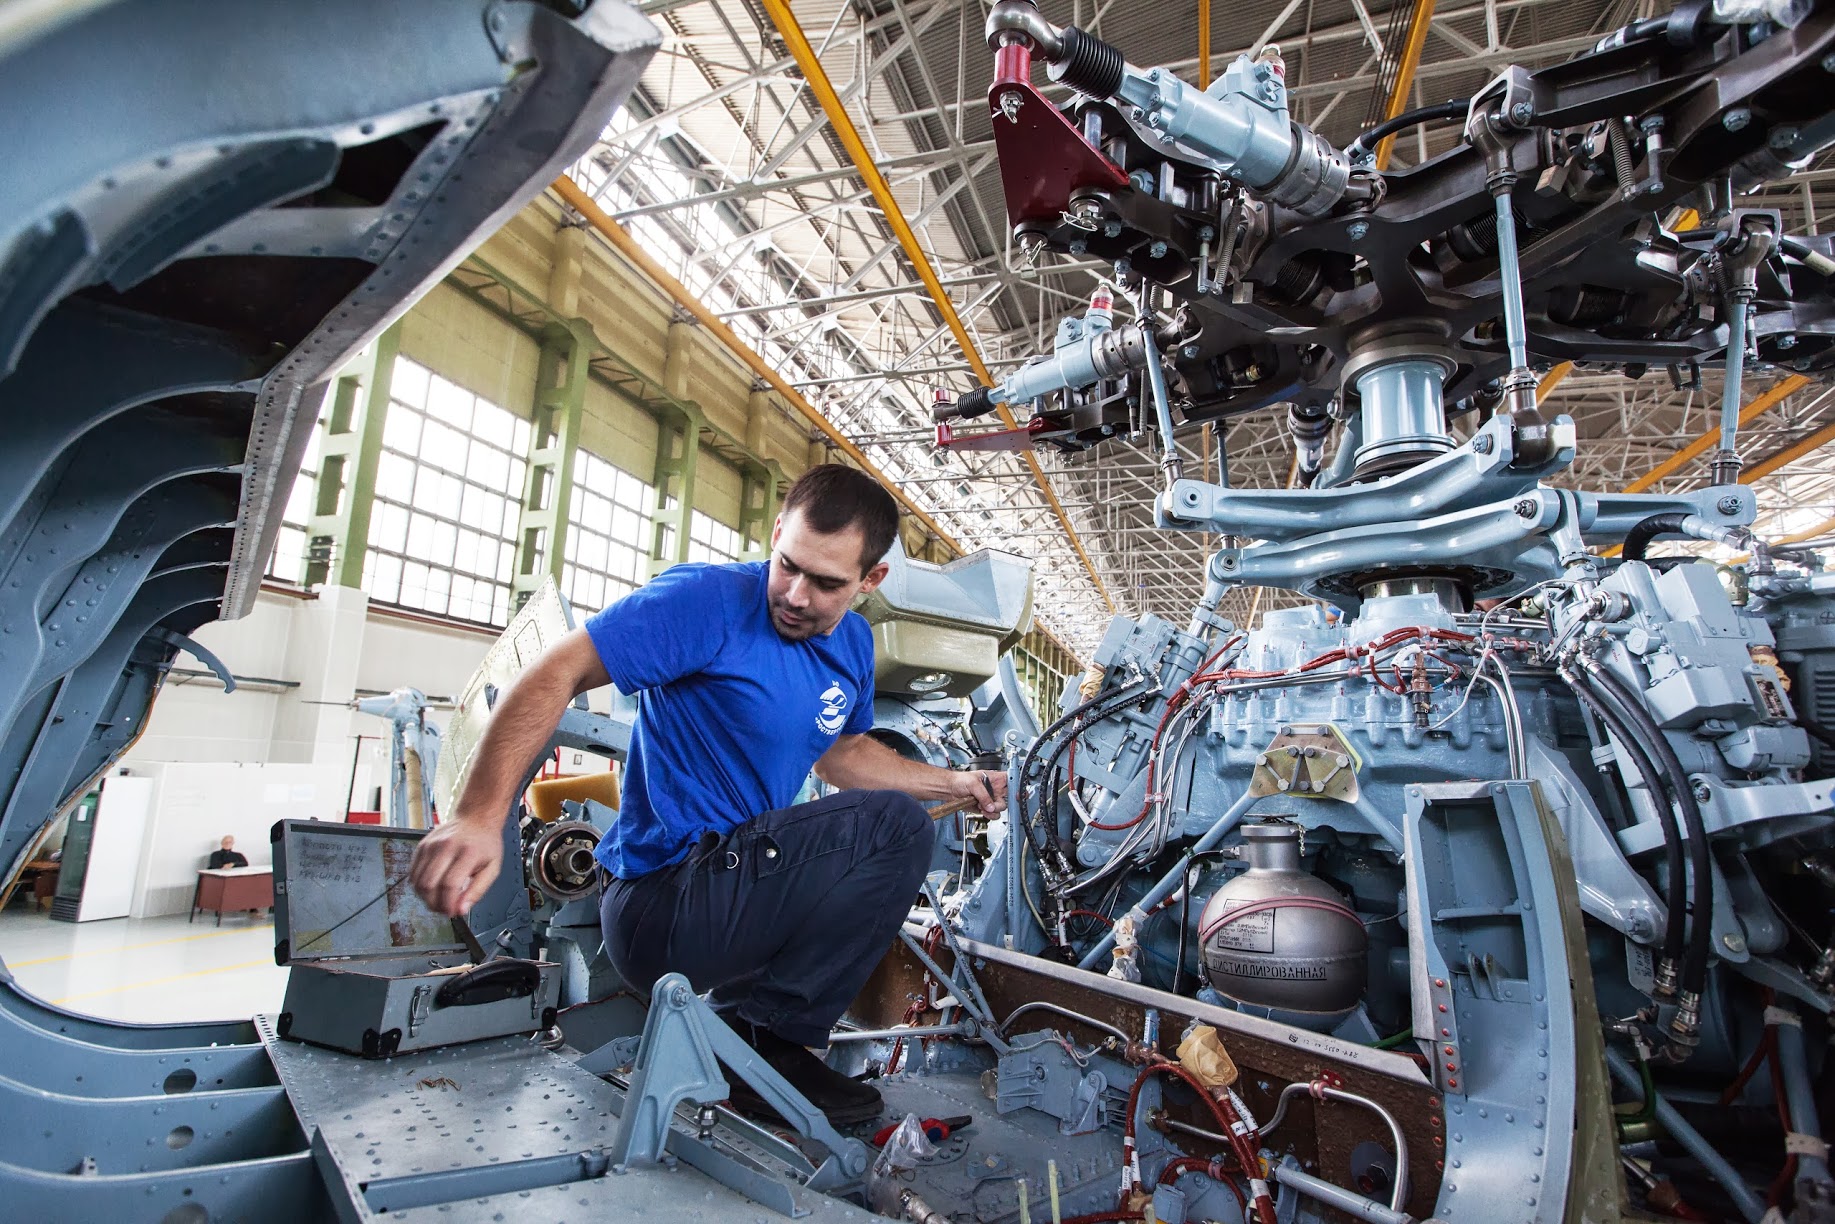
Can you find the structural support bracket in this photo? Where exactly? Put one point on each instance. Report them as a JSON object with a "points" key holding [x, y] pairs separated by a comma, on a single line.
{"points": [[339, 531], [684, 1043]]}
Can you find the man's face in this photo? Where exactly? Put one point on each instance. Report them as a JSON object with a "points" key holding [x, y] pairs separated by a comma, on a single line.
{"points": [[229, 843], [814, 577]]}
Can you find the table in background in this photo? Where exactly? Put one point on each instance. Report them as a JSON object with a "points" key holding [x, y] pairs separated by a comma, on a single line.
{"points": [[230, 889], [42, 873]]}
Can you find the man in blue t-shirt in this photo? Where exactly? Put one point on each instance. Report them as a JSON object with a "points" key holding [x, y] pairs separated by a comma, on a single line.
{"points": [[747, 677]]}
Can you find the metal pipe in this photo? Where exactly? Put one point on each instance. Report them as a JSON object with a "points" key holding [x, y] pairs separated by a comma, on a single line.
{"points": [[1751, 1207], [1726, 464], [1170, 463], [1801, 1097], [1170, 881], [896, 1034], [1399, 1193], [1347, 1201], [1041, 1005], [1509, 274]]}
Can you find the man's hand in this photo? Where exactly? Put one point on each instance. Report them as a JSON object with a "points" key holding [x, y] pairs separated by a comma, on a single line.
{"points": [[986, 788], [455, 864]]}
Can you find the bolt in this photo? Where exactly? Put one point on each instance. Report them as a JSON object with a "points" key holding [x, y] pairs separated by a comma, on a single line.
{"points": [[1828, 62], [1189, 352], [1651, 125], [1206, 234], [1522, 113], [1526, 508], [1157, 250], [1733, 942], [1736, 119], [1078, 246], [1357, 229], [1728, 504], [1787, 341], [1782, 137], [1481, 445], [1702, 793]]}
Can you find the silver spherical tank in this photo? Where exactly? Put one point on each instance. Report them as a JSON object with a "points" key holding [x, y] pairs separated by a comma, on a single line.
{"points": [[1280, 941]]}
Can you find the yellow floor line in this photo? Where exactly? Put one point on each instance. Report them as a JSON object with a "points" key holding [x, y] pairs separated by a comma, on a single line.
{"points": [[165, 981], [157, 943]]}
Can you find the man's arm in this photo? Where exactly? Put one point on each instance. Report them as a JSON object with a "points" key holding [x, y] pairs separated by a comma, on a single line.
{"points": [[456, 862], [862, 761]]}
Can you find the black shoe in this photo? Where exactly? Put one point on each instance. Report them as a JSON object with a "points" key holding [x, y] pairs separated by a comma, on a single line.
{"points": [[845, 1102]]}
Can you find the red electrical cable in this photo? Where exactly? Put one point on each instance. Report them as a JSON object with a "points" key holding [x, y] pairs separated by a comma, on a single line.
{"points": [[1227, 1122]]}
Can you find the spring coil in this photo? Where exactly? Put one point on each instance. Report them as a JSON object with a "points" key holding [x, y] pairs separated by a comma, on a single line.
{"points": [[1090, 66]]}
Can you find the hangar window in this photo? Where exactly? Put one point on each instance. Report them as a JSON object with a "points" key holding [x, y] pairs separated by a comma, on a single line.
{"points": [[443, 527], [287, 563], [608, 534], [711, 540]]}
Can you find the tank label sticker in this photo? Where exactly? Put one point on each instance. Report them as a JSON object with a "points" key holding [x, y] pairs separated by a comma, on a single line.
{"points": [[1277, 970], [1250, 933]]}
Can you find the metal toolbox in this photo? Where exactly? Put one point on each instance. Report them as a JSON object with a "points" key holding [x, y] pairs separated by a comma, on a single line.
{"points": [[373, 970]]}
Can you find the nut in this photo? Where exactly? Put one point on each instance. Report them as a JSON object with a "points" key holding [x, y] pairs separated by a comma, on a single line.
{"points": [[1357, 229], [1736, 119]]}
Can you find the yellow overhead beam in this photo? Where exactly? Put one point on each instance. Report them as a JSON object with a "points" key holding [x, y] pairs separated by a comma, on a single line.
{"points": [[1763, 403], [817, 79], [1553, 379], [1412, 46], [626, 245], [1790, 454]]}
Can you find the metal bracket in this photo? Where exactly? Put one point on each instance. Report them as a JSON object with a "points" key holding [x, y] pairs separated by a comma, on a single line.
{"points": [[191, 647], [684, 1043]]}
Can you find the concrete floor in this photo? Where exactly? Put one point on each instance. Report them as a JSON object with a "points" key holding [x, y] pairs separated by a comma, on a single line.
{"points": [[147, 970]]}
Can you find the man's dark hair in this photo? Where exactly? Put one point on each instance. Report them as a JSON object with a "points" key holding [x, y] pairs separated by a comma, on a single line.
{"points": [[832, 497]]}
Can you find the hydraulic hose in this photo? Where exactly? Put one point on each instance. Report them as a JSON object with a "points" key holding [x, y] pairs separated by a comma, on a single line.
{"points": [[1032, 772], [1701, 862], [1674, 933], [1637, 540], [1440, 112]]}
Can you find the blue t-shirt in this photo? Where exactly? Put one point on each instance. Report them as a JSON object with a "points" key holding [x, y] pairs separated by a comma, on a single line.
{"points": [[731, 716]]}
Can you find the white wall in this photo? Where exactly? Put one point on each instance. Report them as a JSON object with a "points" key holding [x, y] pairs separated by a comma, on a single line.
{"points": [[196, 804]]}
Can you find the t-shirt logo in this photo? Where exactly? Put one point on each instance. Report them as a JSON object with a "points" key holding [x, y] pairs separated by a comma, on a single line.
{"points": [[834, 710]]}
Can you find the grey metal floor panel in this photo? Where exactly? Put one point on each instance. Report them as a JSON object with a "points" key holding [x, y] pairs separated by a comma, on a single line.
{"points": [[491, 1112]]}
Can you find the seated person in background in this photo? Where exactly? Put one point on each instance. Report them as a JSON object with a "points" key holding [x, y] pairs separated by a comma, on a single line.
{"points": [[227, 856]]}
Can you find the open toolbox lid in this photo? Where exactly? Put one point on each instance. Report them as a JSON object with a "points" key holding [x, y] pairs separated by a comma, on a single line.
{"points": [[341, 891]]}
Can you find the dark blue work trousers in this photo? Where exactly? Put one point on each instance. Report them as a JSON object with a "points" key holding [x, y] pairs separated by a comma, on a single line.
{"points": [[782, 919]]}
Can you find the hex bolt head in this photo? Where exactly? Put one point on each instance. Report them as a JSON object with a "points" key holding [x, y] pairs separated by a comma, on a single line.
{"points": [[1189, 352], [1111, 229], [1481, 445], [1357, 229], [1736, 119], [1526, 508], [1522, 113], [1728, 504], [1702, 793], [1828, 62], [1157, 250], [1782, 137]]}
